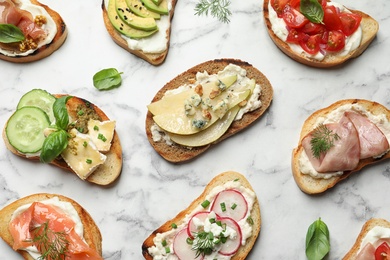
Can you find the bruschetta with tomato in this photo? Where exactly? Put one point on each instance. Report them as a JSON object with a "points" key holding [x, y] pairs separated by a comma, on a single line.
{"points": [[318, 33], [29, 30], [339, 140]]}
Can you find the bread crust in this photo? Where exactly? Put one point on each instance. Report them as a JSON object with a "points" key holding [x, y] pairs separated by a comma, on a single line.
{"points": [[152, 58], [176, 153], [369, 26], [106, 173], [92, 234], [48, 49], [312, 185], [220, 179], [370, 224]]}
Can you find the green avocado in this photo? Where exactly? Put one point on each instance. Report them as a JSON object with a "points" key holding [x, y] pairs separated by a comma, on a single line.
{"points": [[157, 2], [122, 27], [137, 7], [162, 8], [137, 22]]}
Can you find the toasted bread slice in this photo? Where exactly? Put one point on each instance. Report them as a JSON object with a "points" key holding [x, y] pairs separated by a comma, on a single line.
{"points": [[106, 173], [312, 185], [92, 234], [370, 224], [369, 27], [152, 58], [47, 49], [218, 180], [176, 153]]}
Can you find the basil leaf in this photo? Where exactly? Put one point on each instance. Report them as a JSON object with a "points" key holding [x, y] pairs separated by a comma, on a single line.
{"points": [[317, 240], [10, 33], [312, 10], [107, 79], [60, 112], [53, 145]]}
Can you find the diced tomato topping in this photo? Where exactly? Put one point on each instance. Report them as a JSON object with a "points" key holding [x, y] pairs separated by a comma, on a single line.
{"points": [[295, 36], [311, 44], [382, 252], [278, 6], [349, 22], [295, 4], [313, 28], [331, 18], [293, 18], [335, 41]]}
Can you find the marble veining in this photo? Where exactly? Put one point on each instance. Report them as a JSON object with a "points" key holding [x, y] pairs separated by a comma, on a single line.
{"points": [[151, 190]]}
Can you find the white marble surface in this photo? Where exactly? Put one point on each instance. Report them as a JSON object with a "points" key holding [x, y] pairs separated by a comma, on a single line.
{"points": [[151, 190]]}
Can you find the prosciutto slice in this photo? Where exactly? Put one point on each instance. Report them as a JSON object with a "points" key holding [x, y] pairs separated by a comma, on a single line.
{"points": [[372, 141], [345, 153], [368, 251]]}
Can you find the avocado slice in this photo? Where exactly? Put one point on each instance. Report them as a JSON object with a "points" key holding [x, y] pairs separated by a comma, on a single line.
{"points": [[122, 27], [137, 22], [162, 8], [137, 7], [157, 2]]}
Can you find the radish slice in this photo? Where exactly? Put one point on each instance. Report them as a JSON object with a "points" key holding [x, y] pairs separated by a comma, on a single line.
{"points": [[236, 205], [231, 246], [191, 228], [181, 248]]}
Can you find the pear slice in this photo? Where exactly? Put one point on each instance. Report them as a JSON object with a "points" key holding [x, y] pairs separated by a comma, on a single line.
{"points": [[173, 103], [137, 22], [179, 123], [209, 135]]}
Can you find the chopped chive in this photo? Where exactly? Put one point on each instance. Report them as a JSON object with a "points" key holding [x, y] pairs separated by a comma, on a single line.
{"points": [[236, 179], [212, 220], [85, 144], [96, 128], [89, 161], [250, 220], [102, 137], [173, 225], [205, 204], [233, 206], [164, 243], [80, 113], [189, 241], [80, 129], [223, 206], [167, 250]]}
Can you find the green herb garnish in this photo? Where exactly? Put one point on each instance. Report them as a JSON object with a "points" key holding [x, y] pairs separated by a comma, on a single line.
{"points": [[317, 240], [322, 140], [217, 8], [102, 137], [51, 245], [223, 206], [173, 225], [89, 161], [312, 10], [107, 79], [10, 33], [205, 204], [203, 243]]}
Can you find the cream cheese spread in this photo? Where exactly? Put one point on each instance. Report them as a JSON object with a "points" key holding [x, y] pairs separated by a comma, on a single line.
{"points": [[280, 29], [50, 27], [158, 251], [66, 207], [380, 120]]}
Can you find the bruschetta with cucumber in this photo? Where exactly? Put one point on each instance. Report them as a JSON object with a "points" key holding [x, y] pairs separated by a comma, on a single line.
{"points": [[68, 132]]}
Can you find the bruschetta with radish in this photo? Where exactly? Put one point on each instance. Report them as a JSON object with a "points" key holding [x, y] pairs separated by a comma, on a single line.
{"points": [[224, 221], [318, 33], [50, 226], [339, 140], [29, 30]]}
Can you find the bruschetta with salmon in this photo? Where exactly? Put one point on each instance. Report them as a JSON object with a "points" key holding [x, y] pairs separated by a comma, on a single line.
{"points": [[339, 140], [50, 226]]}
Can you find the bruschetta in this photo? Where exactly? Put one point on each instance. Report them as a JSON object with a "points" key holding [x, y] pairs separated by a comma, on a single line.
{"points": [[205, 105], [68, 132], [339, 140], [227, 214], [29, 30], [50, 226], [318, 33]]}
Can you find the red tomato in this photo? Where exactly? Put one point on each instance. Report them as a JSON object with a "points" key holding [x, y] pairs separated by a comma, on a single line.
{"points": [[295, 36], [349, 22], [323, 3], [278, 6], [335, 40], [295, 4], [313, 28], [293, 18], [311, 44], [382, 252], [331, 18]]}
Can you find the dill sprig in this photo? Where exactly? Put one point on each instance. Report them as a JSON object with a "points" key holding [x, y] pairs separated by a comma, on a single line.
{"points": [[52, 245], [217, 8], [203, 243], [322, 140]]}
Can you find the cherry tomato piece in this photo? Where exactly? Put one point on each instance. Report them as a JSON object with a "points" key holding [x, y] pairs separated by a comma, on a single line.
{"points": [[331, 18], [349, 22], [313, 28], [295, 4], [295, 36], [278, 6], [382, 252], [293, 18], [335, 41], [311, 44]]}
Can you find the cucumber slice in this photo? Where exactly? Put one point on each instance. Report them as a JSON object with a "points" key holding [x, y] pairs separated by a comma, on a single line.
{"points": [[39, 98], [25, 127]]}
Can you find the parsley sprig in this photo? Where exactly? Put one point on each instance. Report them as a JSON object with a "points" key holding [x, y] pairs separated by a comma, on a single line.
{"points": [[217, 8], [323, 139]]}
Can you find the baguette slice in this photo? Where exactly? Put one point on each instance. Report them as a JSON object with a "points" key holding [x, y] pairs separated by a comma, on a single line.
{"points": [[47, 49], [92, 234], [369, 27], [106, 173], [312, 185], [370, 224], [220, 179], [176, 153], [152, 58]]}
